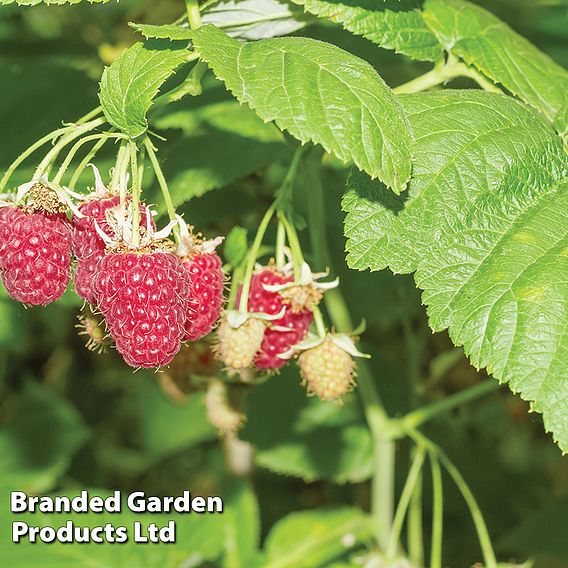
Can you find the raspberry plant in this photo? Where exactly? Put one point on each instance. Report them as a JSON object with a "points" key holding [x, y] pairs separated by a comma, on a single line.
{"points": [[457, 176]]}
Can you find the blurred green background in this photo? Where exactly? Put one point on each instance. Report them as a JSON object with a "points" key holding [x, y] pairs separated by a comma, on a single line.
{"points": [[73, 419]]}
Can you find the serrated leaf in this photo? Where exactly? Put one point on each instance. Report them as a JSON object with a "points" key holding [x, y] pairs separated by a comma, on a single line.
{"points": [[318, 93], [483, 40], [255, 19], [303, 430], [391, 24], [130, 84], [484, 226], [310, 539]]}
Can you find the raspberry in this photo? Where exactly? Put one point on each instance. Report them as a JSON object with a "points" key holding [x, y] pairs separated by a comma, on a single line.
{"points": [[327, 370], [88, 246], [205, 294], [35, 254], [286, 332], [282, 333], [143, 297], [237, 346]]}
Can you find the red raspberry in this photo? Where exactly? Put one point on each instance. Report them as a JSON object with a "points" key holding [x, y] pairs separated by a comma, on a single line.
{"points": [[205, 294], [35, 254], [88, 246], [143, 297], [283, 333], [277, 341]]}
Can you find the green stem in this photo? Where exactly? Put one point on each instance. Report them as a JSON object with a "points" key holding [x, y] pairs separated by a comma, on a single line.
{"points": [[437, 512], [421, 415], [90, 115], [121, 165], [136, 189], [85, 162], [443, 73], [404, 501], [414, 525], [253, 254], [76, 148], [163, 184], [318, 319], [382, 498], [297, 255], [476, 515], [280, 244], [73, 134], [193, 15]]}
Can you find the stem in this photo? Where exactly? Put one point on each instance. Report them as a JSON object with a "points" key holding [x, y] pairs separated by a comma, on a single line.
{"points": [[163, 184], [437, 512], [122, 159], [320, 325], [443, 73], [380, 424], [404, 501], [76, 148], [193, 15], [297, 255], [478, 520], [421, 415], [480, 526], [280, 243], [415, 530], [253, 253], [85, 161], [90, 115], [135, 195], [75, 133]]}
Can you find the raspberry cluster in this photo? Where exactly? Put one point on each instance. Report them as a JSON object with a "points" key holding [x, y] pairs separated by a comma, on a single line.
{"points": [[151, 297]]}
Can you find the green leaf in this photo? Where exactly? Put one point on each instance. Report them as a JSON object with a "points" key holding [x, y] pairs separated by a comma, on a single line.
{"points": [[255, 19], [484, 226], [310, 539], [130, 84], [392, 24], [222, 143], [235, 249], [489, 44], [242, 526], [303, 429], [166, 31], [318, 93], [38, 440]]}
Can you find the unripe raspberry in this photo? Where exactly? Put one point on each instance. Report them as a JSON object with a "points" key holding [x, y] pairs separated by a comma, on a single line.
{"points": [[237, 346], [35, 253], [327, 370], [143, 297]]}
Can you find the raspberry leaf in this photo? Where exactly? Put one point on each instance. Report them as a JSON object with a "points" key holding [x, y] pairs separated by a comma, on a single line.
{"points": [[318, 93], [130, 84], [483, 40], [48, 2], [165, 31], [484, 227], [391, 24]]}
